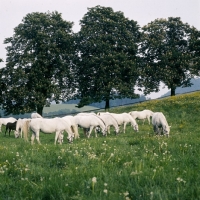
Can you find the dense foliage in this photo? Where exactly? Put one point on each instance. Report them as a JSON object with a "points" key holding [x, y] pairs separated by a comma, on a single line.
{"points": [[38, 66], [105, 60], [127, 166], [166, 54], [107, 45]]}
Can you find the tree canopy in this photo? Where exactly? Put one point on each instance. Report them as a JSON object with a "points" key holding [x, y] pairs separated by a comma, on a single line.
{"points": [[106, 51], [38, 68], [166, 55], [106, 59]]}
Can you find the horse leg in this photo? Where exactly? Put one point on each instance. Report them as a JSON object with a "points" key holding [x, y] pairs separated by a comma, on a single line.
{"points": [[37, 136], [6, 130], [56, 137], [155, 129], [125, 126], [85, 132], [108, 130], [91, 128], [116, 129], [76, 134], [32, 138], [148, 119], [95, 130], [21, 132]]}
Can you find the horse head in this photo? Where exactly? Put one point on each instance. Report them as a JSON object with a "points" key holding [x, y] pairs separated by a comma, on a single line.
{"points": [[117, 129], [70, 138], [166, 130], [135, 127], [16, 133]]}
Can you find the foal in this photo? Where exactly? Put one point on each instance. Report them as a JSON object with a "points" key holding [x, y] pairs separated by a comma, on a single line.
{"points": [[10, 126]]}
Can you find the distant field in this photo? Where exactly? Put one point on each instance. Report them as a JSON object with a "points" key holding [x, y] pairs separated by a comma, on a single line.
{"points": [[60, 109]]}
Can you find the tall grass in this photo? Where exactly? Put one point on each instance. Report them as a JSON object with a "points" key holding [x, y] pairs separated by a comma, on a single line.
{"points": [[127, 166]]}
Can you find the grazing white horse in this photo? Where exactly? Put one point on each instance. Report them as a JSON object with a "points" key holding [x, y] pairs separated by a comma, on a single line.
{"points": [[89, 122], [55, 125], [19, 127], [160, 124], [4, 121], [70, 119], [35, 115], [124, 119], [142, 115], [109, 120]]}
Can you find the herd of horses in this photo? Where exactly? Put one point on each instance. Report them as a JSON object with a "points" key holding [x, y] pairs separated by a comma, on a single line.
{"points": [[100, 122]]}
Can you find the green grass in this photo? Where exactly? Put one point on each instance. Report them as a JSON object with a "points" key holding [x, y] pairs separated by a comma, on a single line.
{"points": [[127, 166]]}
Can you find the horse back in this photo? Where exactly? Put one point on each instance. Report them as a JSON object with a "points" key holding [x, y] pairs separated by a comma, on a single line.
{"points": [[159, 119]]}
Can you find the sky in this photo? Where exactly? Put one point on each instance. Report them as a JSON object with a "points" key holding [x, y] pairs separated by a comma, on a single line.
{"points": [[143, 11]]}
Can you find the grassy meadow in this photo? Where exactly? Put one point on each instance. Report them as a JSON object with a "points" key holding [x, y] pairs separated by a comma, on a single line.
{"points": [[123, 167]]}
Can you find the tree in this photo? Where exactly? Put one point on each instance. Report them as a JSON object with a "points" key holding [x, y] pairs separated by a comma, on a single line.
{"points": [[106, 52], [38, 68], [166, 55], [195, 51]]}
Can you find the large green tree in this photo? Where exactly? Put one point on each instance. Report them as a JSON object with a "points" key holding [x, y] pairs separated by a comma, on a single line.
{"points": [[106, 50], [195, 51], [38, 68], [1, 85], [165, 54]]}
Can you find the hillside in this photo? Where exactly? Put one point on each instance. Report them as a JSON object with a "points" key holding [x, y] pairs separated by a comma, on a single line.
{"points": [[130, 165], [180, 90], [113, 103]]}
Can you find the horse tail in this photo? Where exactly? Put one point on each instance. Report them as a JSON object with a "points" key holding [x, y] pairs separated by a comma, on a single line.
{"points": [[26, 129]]}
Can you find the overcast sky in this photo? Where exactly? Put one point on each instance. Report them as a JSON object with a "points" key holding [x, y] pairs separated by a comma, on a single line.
{"points": [[143, 11]]}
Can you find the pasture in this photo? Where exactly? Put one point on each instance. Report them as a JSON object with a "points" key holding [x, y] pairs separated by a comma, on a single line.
{"points": [[134, 165]]}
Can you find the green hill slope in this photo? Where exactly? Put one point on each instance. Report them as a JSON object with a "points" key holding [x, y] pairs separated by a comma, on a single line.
{"points": [[131, 165], [182, 111]]}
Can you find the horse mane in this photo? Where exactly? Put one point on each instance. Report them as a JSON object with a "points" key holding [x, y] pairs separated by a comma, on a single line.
{"points": [[101, 120]]}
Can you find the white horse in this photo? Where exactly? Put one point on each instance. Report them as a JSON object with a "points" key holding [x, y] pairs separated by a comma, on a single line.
{"points": [[19, 127], [90, 122], [70, 119], [55, 125], [35, 115], [142, 115], [124, 119], [160, 124], [4, 121], [109, 120], [85, 113]]}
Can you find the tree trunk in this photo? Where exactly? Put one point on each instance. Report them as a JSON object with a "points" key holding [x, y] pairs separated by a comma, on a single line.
{"points": [[173, 89], [39, 110], [107, 106]]}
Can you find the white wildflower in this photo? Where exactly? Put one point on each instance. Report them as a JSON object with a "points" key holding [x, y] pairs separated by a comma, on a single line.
{"points": [[94, 179], [105, 191], [126, 193]]}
